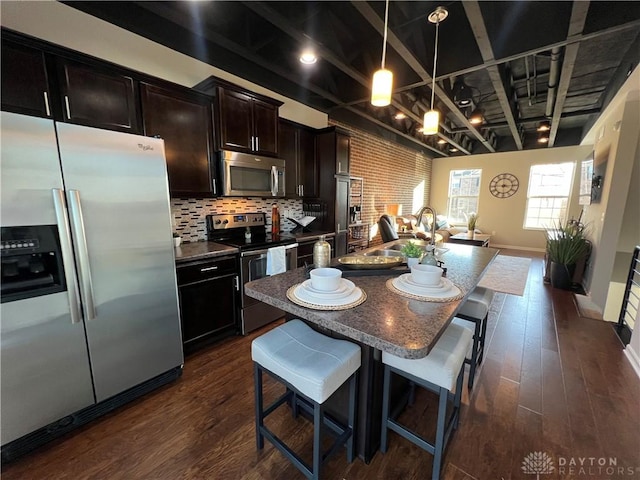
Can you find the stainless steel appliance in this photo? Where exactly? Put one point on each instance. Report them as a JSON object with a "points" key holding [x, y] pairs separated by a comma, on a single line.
{"points": [[231, 230], [89, 314], [247, 175]]}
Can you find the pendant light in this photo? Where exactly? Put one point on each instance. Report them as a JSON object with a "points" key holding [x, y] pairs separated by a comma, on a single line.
{"points": [[382, 79], [432, 117]]}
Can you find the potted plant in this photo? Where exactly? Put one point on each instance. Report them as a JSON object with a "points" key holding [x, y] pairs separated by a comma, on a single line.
{"points": [[413, 253], [566, 243], [472, 219]]}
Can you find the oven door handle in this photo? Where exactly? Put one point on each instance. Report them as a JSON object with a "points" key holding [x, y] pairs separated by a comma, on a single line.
{"points": [[257, 253]]}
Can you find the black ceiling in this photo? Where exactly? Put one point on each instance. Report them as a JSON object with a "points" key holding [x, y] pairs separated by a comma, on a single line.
{"points": [[507, 52]]}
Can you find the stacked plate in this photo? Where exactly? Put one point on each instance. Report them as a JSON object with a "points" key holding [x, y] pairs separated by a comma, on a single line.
{"points": [[444, 289], [345, 294]]}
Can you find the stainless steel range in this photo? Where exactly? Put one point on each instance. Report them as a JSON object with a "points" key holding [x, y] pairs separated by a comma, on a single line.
{"points": [[247, 232]]}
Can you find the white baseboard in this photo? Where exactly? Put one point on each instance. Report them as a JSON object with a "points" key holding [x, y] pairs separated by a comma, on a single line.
{"points": [[517, 247], [633, 359]]}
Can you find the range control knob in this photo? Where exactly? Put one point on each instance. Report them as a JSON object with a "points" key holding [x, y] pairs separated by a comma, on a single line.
{"points": [[218, 222], [225, 221]]}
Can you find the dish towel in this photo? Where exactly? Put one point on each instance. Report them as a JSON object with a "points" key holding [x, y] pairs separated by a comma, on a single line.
{"points": [[276, 260]]}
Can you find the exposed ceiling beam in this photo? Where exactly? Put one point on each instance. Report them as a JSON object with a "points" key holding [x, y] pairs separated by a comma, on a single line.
{"points": [[476, 21], [376, 22], [576, 25], [283, 24], [397, 132], [545, 48]]}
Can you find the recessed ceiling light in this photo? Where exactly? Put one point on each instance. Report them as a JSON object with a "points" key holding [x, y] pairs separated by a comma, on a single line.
{"points": [[543, 139], [441, 141], [544, 126], [453, 149], [420, 129], [308, 57], [399, 116]]}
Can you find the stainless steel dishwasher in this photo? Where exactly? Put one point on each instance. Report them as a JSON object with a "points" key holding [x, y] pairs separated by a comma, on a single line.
{"points": [[209, 294]]}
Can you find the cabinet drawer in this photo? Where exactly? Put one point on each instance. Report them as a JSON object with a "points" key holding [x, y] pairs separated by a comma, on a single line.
{"points": [[203, 269]]}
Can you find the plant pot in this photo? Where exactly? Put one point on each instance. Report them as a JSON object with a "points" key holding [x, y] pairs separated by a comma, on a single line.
{"points": [[177, 241], [411, 261], [470, 233], [562, 275]]}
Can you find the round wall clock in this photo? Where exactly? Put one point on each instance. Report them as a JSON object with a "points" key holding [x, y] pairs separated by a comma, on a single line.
{"points": [[504, 185]]}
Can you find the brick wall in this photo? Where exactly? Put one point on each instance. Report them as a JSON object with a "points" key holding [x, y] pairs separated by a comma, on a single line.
{"points": [[392, 173]]}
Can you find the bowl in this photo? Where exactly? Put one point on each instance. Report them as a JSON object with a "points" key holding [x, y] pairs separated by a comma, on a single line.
{"points": [[325, 279], [427, 275]]}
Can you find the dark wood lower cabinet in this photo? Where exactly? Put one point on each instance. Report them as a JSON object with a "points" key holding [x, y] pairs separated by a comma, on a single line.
{"points": [[184, 120], [208, 300]]}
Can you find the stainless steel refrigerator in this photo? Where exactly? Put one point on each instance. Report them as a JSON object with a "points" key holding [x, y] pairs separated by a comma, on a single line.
{"points": [[89, 314]]}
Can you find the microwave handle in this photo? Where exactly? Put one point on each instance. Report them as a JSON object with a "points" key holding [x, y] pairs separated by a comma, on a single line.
{"points": [[274, 180]]}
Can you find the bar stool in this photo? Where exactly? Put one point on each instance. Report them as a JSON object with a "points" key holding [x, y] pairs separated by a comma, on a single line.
{"points": [[312, 366], [474, 315], [438, 372]]}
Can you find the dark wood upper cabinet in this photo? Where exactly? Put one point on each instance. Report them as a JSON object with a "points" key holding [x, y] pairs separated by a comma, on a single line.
{"points": [[296, 145], [25, 85], [184, 120], [98, 97], [265, 128], [247, 123], [236, 130]]}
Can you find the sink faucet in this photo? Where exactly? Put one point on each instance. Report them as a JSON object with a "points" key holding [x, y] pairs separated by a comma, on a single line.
{"points": [[433, 221]]}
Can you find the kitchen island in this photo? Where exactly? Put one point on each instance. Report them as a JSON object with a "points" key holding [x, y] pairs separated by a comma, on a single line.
{"points": [[386, 322]]}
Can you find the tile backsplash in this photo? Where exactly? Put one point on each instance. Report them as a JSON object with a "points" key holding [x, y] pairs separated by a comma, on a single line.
{"points": [[189, 214]]}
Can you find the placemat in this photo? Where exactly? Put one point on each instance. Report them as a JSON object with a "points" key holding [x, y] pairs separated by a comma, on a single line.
{"points": [[423, 298], [302, 303]]}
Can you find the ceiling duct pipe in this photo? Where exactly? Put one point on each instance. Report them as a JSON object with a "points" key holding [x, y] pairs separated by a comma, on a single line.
{"points": [[554, 73]]}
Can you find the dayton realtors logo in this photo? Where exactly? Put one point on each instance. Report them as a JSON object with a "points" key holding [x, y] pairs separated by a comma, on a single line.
{"points": [[540, 463], [537, 463]]}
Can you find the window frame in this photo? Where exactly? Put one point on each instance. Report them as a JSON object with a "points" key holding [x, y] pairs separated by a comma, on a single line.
{"points": [[454, 220], [563, 212]]}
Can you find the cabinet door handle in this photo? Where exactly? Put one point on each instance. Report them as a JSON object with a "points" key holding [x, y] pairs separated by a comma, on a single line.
{"points": [[237, 283], [208, 269], [257, 143], [46, 104], [253, 143], [302, 190], [66, 102]]}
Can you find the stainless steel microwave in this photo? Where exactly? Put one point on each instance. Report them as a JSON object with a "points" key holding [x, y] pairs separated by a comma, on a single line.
{"points": [[246, 175]]}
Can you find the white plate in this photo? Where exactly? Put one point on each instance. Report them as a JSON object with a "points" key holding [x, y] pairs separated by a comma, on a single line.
{"points": [[303, 294], [448, 290], [407, 278], [345, 288]]}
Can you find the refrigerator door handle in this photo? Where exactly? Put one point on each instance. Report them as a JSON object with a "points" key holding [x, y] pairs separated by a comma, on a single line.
{"points": [[67, 254], [82, 254]]}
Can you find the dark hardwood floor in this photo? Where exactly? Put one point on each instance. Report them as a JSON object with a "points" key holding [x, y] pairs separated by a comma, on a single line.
{"points": [[551, 382]]}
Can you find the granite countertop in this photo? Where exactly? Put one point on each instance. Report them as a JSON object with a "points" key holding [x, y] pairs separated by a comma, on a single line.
{"points": [[200, 250], [386, 321]]}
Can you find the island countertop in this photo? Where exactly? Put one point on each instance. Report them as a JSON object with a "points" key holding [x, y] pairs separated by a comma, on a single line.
{"points": [[386, 321]]}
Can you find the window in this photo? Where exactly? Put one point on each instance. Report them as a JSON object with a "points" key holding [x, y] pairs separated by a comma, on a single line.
{"points": [[464, 189], [548, 194]]}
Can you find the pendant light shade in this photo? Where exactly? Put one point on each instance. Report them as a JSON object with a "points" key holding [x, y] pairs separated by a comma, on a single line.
{"points": [[432, 117], [431, 122], [382, 88], [382, 85]]}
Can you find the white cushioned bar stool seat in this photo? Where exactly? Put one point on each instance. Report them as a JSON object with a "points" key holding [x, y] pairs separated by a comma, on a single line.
{"points": [[474, 315], [312, 366], [441, 371]]}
